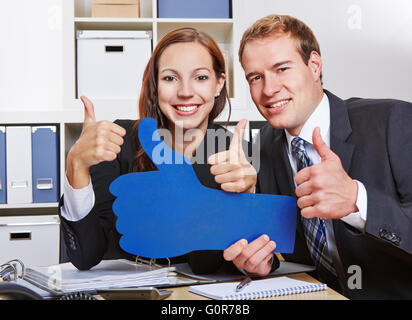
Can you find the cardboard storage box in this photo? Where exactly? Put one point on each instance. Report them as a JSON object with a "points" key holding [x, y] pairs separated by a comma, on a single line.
{"points": [[194, 8], [110, 64], [116, 9], [35, 240]]}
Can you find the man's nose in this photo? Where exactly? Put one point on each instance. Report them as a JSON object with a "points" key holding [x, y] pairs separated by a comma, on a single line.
{"points": [[272, 85]]}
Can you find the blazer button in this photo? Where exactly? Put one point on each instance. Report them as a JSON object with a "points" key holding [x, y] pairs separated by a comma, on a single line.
{"points": [[390, 236], [396, 240], [383, 233], [72, 244]]}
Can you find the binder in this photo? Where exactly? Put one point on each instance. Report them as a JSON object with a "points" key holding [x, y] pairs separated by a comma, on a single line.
{"points": [[120, 273], [3, 183], [18, 158], [45, 164]]}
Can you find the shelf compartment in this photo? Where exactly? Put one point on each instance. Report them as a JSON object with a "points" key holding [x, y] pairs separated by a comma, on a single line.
{"points": [[86, 23]]}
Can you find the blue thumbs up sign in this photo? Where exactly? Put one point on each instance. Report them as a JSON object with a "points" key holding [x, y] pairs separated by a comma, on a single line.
{"points": [[167, 213]]}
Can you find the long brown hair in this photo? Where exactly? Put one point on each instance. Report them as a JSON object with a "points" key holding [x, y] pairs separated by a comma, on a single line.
{"points": [[148, 102]]}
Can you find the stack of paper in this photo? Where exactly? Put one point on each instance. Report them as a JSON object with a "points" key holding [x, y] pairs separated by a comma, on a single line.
{"points": [[65, 278]]}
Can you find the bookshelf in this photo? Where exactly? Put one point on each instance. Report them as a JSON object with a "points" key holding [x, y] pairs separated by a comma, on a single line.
{"points": [[54, 100]]}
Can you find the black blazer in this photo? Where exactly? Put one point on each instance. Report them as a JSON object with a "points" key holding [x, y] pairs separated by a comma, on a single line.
{"points": [[95, 237], [373, 139]]}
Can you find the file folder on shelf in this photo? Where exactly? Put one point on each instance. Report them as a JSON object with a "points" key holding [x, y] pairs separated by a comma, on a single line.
{"points": [[18, 158], [45, 164], [3, 183]]}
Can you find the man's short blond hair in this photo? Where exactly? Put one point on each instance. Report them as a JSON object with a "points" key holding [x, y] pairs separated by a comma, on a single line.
{"points": [[277, 25]]}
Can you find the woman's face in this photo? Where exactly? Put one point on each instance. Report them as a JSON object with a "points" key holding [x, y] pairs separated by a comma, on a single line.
{"points": [[187, 85]]}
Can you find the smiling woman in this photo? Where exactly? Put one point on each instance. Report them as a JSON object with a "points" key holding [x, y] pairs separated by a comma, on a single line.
{"points": [[187, 86], [184, 90], [183, 86]]}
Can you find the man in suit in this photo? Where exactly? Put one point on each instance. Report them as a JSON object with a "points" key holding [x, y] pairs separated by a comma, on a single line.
{"points": [[347, 162]]}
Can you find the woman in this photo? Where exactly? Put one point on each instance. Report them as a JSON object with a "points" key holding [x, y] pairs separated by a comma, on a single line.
{"points": [[183, 89]]}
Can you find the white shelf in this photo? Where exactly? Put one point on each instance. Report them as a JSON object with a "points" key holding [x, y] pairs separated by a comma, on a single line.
{"points": [[194, 20], [29, 205], [30, 116], [105, 109], [113, 23]]}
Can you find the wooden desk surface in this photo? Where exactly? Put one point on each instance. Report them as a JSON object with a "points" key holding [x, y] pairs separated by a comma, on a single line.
{"points": [[182, 293]]}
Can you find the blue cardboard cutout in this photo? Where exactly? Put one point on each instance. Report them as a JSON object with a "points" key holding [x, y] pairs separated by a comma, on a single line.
{"points": [[168, 213]]}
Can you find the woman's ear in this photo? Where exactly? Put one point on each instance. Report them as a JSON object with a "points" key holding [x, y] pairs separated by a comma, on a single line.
{"points": [[220, 83]]}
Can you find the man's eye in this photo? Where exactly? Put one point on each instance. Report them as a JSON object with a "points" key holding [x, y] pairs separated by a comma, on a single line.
{"points": [[254, 79], [283, 69]]}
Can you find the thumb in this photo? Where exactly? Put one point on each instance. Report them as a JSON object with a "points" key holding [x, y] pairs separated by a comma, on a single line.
{"points": [[89, 115], [236, 143], [323, 150]]}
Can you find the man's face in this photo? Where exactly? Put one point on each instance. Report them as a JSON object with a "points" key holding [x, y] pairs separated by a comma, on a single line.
{"points": [[284, 89]]}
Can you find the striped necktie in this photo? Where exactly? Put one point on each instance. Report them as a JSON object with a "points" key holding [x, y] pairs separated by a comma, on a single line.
{"points": [[314, 228]]}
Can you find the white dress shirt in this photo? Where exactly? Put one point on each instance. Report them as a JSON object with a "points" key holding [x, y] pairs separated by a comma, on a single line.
{"points": [[321, 118], [77, 202]]}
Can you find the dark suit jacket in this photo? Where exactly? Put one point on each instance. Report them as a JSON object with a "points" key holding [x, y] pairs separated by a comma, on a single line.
{"points": [[373, 139], [95, 237]]}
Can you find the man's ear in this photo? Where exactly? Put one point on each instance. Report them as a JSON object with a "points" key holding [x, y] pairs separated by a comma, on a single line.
{"points": [[315, 64]]}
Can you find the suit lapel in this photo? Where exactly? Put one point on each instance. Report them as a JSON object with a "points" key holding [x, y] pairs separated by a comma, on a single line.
{"points": [[284, 175], [283, 170], [340, 130]]}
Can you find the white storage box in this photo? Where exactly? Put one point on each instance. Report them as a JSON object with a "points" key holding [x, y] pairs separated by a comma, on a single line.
{"points": [[35, 240], [110, 64]]}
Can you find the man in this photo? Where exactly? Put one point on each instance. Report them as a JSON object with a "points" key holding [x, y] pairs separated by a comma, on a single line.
{"points": [[346, 162]]}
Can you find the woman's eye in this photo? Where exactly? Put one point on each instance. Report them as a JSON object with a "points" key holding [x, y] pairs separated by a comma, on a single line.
{"points": [[202, 77], [169, 78]]}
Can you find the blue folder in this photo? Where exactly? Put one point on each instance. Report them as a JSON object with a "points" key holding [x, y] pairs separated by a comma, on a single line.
{"points": [[3, 183], [194, 9], [45, 164]]}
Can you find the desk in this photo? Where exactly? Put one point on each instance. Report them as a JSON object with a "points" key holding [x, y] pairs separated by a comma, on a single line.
{"points": [[182, 293]]}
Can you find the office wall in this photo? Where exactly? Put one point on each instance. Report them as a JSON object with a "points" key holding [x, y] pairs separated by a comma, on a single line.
{"points": [[366, 45]]}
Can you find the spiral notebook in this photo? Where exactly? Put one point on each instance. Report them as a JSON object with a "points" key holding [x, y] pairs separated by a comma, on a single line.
{"points": [[257, 289]]}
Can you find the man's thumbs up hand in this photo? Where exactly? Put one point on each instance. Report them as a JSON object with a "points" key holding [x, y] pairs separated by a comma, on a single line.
{"points": [[231, 168], [98, 142], [322, 149], [325, 190]]}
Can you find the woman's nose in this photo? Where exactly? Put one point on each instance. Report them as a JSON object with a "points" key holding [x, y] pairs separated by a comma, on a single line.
{"points": [[185, 89]]}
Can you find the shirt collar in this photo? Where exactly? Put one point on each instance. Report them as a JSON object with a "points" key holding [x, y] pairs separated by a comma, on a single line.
{"points": [[319, 118]]}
